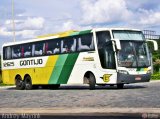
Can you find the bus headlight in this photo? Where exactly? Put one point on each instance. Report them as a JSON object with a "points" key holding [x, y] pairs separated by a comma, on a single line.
{"points": [[122, 71], [149, 72]]}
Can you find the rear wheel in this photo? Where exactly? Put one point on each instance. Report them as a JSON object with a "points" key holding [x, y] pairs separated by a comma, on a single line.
{"points": [[120, 86], [28, 83], [19, 83], [92, 81]]}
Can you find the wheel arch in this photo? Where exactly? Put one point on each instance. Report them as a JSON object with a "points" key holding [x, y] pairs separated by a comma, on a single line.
{"points": [[86, 77], [26, 76], [18, 75]]}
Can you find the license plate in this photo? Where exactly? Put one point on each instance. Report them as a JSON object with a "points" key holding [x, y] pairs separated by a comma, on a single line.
{"points": [[137, 78]]}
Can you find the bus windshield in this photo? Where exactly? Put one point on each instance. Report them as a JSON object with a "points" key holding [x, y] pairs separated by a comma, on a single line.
{"points": [[134, 52]]}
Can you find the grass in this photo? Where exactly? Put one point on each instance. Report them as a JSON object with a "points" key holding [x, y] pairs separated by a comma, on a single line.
{"points": [[156, 76], [2, 84]]}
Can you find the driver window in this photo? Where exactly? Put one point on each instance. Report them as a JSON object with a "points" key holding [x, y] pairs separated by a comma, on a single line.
{"points": [[105, 50]]}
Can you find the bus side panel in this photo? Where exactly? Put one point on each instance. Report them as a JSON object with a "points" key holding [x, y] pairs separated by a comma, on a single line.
{"points": [[85, 62], [63, 68], [90, 62], [43, 74], [22, 73], [6, 77]]}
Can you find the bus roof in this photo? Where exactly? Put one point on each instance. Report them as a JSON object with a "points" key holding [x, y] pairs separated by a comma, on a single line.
{"points": [[64, 34], [50, 36]]}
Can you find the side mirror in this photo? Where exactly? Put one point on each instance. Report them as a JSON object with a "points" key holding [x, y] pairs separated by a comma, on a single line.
{"points": [[117, 43], [154, 43]]}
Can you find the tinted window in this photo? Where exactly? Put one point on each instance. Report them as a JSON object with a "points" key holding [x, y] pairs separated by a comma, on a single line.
{"points": [[38, 49], [52, 47], [27, 50], [68, 45], [7, 53], [105, 49], [16, 51], [85, 42]]}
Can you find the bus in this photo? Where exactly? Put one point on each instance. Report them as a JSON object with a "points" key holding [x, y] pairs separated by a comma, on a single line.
{"points": [[100, 56]]}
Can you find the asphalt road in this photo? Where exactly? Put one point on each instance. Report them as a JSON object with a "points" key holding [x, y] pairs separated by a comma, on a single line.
{"points": [[142, 95]]}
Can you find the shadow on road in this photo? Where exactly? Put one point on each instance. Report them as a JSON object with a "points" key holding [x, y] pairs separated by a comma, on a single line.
{"points": [[85, 87]]}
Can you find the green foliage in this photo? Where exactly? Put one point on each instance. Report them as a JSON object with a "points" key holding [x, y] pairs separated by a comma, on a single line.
{"points": [[156, 56], [156, 65], [155, 76]]}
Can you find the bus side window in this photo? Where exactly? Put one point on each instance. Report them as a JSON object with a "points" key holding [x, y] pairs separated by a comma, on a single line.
{"points": [[73, 46], [56, 50], [63, 47], [68, 45], [7, 53], [48, 50], [38, 49], [82, 47], [33, 49], [86, 42], [27, 49], [16, 52]]}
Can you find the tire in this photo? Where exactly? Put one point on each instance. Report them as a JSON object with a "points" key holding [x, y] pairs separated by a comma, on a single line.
{"points": [[28, 83], [92, 81], [19, 83], [54, 86], [120, 86]]}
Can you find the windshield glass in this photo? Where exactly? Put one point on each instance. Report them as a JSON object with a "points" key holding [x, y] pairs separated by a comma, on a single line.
{"points": [[134, 52], [128, 35]]}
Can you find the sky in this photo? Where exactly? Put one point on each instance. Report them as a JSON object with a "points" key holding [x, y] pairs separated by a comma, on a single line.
{"points": [[39, 17]]}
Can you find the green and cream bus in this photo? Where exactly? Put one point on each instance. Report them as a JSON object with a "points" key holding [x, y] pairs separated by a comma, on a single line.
{"points": [[102, 56]]}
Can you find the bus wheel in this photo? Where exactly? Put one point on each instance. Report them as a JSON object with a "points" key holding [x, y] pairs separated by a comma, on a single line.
{"points": [[120, 86], [54, 86], [19, 83], [28, 83], [92, 81]]}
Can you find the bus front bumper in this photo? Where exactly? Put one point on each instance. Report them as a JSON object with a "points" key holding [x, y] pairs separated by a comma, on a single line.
{"points": [[126, 78]]}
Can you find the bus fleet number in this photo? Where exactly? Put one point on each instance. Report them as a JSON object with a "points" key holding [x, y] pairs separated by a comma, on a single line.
{"points": [[8, 64]]}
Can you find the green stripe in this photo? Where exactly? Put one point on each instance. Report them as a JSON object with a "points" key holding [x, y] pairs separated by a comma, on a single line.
{"points": [[63, 68], [80, 32], [57, 69], [140, 69], [67, 68], [84, 32]]}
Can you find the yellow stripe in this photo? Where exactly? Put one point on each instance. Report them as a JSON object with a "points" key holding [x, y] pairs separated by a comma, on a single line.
{"points": [[46, 71], [145, 69]]}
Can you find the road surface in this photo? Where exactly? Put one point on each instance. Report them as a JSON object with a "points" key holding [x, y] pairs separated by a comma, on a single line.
{"points": [[143, 97]]}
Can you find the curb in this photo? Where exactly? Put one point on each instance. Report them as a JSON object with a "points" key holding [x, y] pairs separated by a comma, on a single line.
{"points": [[154, 81], [80, 111], [4, 87]]}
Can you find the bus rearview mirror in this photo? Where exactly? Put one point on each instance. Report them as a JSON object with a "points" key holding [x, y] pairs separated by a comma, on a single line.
{"points": [[117, 43], [154, 44]]}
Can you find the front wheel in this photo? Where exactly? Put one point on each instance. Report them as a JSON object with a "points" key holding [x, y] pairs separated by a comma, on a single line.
{"points": [[92, 81]]}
